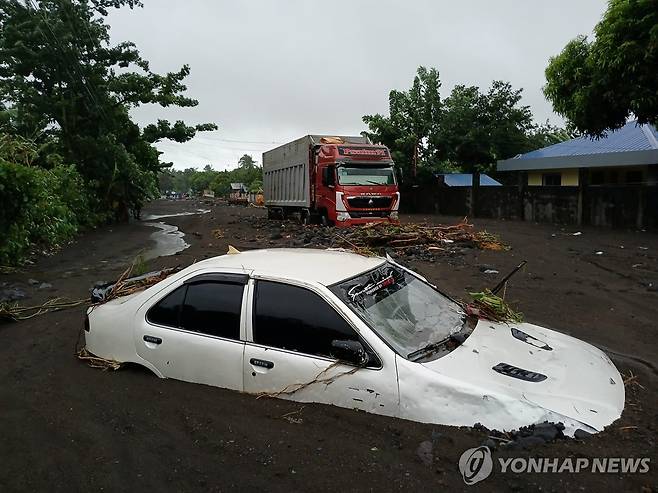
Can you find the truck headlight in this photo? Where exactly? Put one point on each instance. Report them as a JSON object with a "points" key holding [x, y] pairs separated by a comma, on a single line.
{"points": [[342, 216]]}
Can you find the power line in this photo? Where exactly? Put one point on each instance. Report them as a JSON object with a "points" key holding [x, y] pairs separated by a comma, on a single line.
{"points": [[264, 142]]}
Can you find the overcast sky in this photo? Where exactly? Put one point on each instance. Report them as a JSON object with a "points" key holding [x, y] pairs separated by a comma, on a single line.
{"points": [[271, 71]]}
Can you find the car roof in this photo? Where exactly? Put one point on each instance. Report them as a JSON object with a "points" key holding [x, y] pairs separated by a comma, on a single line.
{"points": [[305, 264]]}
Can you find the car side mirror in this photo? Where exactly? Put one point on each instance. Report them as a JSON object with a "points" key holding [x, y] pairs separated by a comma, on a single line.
{"points": [[350, 351]]}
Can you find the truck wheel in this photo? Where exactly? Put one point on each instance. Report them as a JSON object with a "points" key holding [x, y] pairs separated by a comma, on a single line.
{"points": [[325, 221]]}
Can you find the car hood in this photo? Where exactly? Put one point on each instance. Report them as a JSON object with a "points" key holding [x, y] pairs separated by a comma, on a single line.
{"points": [[549, 369]]}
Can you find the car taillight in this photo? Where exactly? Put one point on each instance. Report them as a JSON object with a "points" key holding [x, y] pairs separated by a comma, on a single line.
{"points": [[87, 323]]}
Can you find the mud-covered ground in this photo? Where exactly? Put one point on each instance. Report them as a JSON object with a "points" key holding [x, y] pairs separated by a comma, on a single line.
{"points": [[66, 426]]}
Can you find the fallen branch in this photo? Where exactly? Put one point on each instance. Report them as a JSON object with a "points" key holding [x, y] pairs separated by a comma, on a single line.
{"points": [[371, 239], [296, 387], [13, 312], [96, 362], [487, 305]]}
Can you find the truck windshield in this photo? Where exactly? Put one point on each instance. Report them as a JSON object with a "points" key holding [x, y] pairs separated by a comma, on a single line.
{"points": [[407, 313], [365, 175]]}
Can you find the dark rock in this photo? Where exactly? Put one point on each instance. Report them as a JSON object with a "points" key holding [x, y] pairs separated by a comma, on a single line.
{"points": [[276, 235], [45, 285], [581, 434], [32, 282], [424, 452], [527, 442], [492, 444], [547, 431], [12, 294]]}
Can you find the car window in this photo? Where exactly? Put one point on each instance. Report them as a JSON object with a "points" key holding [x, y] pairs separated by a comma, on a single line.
{"points": [[213, 308], [167, 310], [294, 318]]}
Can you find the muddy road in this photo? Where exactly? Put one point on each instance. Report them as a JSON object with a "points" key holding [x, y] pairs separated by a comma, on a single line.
{"points": [[67, 427]]}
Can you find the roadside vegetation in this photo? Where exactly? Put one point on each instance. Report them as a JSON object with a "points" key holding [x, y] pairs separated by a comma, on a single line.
{"points": [[196, 181], [598, 84], [70, 154], [468, 131]]}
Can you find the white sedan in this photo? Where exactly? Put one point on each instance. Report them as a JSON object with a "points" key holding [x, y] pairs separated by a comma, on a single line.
{"points": [[357, 332]]}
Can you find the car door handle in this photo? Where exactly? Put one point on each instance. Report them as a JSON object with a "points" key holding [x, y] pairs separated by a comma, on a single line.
{"points": [[262, 362], [152, 339]]}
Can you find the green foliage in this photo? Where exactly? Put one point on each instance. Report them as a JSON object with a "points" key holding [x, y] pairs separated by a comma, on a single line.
{"points": [[65, 84], [413, 118], [467, 131], [598, 84], [191, 179], [38, 206]]}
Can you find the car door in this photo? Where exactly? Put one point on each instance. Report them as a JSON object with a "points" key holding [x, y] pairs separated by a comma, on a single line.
{"points": [[194, 332], [290, 355]]}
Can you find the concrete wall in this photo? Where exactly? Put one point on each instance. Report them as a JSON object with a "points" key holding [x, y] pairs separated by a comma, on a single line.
{"points": [[621, 206]]}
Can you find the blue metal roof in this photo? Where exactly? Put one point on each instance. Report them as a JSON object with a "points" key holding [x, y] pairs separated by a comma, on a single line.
{"points": [[630, 137], [466, 180], [629, 145]]}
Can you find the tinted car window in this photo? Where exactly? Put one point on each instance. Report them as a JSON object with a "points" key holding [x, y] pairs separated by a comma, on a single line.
{"points": [[167, 310], [213, 308], [293, 318]]}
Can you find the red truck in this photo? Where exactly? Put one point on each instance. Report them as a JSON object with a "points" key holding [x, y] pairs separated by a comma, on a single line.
{"points": [[333, 180]]}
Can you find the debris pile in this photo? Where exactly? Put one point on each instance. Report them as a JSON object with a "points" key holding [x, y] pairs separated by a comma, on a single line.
{"points": [[127, 285], [487, 305], [372, 239], [411, 241], [527, 437]]}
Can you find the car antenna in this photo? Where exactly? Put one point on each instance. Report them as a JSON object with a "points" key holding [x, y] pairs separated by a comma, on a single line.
{"points": [[504, 280]]}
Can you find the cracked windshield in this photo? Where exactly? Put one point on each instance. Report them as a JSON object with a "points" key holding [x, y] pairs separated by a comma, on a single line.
{"points": [[406, 312]]}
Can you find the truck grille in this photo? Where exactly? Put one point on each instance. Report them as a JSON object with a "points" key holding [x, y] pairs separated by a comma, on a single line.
{"points": [[358, 215], [370, 202]]}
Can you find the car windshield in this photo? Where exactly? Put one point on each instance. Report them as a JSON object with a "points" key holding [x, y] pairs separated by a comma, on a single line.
{"points": [[365, 175], [407, 313]]}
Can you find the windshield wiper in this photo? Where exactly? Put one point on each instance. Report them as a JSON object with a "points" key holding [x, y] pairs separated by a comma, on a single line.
{"points": [[457, 338], [429, 349]]}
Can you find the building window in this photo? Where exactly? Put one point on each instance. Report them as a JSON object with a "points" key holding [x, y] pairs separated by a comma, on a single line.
{"points": [[551, 179]]}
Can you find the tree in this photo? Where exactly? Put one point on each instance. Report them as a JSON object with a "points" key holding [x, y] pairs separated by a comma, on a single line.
{"points": [[598, 84], [468, 131], [64, 82], [477, 129], [412, 121], [246, 162]]}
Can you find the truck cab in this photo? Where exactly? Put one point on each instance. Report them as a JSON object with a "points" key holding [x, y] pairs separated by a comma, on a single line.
{"points": [[354, 184]]}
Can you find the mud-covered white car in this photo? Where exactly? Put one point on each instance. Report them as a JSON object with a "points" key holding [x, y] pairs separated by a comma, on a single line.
{"points": [[357, 332]]}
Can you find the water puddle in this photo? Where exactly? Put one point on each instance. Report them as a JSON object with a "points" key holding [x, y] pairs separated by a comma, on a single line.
{"points": [[154, 217], [168, 240]]}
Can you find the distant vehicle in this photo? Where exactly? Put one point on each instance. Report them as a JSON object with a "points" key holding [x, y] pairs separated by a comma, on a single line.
{"points": [[239, 194], [357, 332], [334, 180]]}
